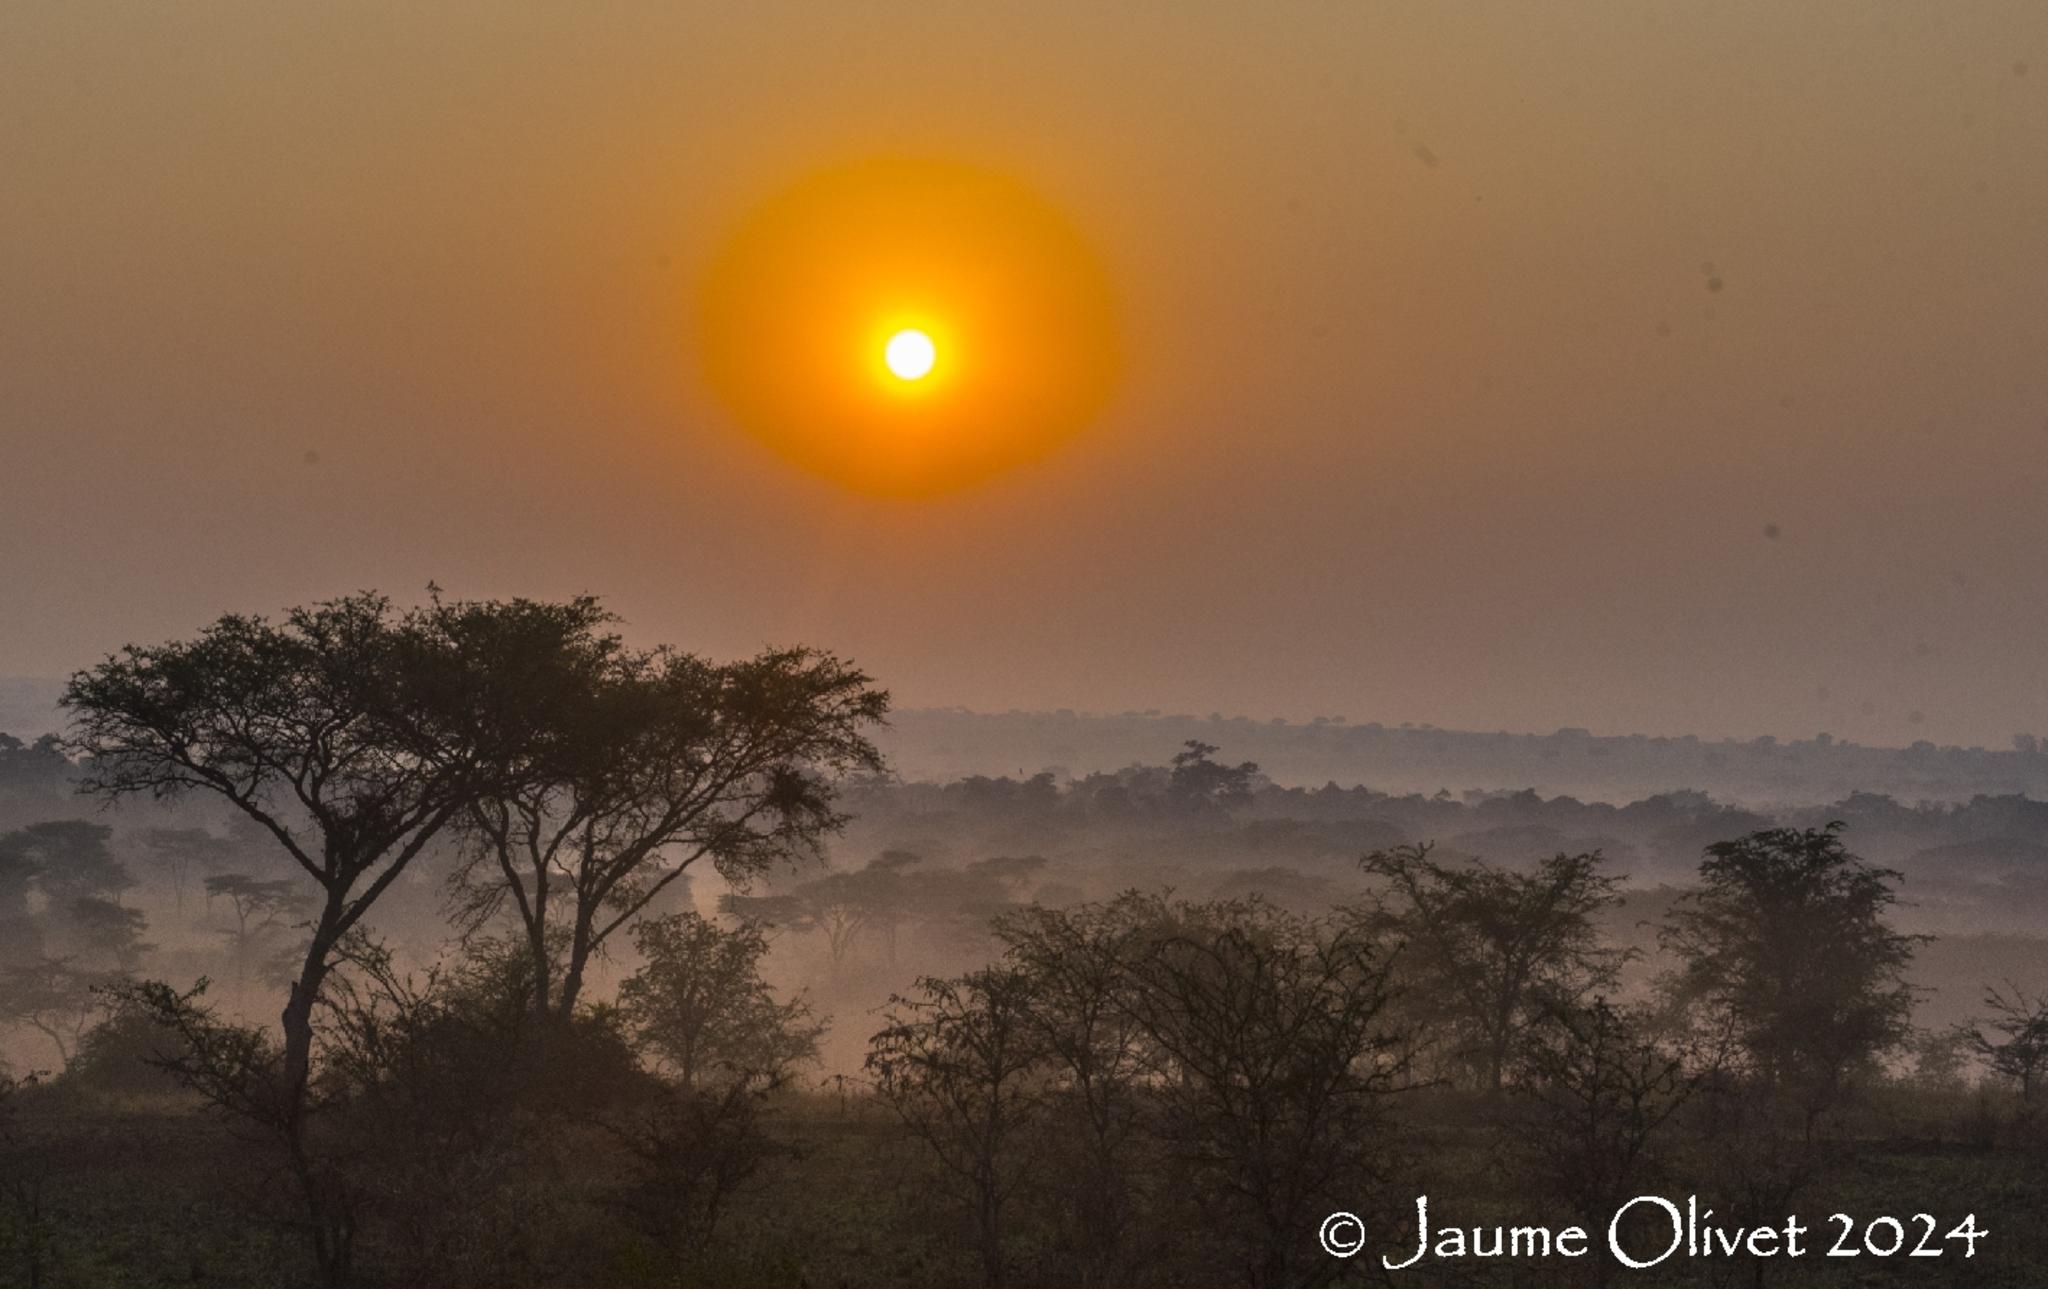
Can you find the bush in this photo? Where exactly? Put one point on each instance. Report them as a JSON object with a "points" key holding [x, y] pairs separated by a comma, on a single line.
{"points": [[122, 1056]]}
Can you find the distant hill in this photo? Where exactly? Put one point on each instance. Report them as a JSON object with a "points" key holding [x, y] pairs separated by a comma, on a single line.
{"points": [[949, 743]]}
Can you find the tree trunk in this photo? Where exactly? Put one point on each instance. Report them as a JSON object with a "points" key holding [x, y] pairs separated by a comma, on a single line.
{"points": [[537, 947], [990, 1216], [572, 975], [298, 1023], [330, 1226]]}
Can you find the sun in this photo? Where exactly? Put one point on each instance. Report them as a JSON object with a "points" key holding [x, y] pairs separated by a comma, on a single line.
{"points": [[908, 326], [910, 354]]}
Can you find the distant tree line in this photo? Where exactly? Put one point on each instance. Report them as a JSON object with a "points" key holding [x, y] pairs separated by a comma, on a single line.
{"points": [[953, 743]]}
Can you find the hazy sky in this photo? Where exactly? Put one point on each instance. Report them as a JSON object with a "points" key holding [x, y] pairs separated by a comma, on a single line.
{"points": [[1475, 351]]}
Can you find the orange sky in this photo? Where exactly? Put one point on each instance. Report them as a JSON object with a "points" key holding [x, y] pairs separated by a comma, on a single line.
{"points": [[1472, 350]]}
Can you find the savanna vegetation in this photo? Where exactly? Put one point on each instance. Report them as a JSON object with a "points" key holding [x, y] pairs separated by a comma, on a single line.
{"points": [[465, 945]]}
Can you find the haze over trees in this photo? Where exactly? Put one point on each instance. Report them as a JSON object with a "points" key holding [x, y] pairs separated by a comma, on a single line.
{"points": [[1786, 946], [654, 762], [1493, 952], [954, 743], [601, 966]]}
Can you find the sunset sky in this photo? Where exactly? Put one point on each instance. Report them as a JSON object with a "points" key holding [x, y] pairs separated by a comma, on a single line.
{"points": [[1644, 367]]}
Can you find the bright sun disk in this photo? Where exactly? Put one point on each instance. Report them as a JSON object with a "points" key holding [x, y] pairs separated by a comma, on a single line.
{"points": [[823, 317], [910, 354]]}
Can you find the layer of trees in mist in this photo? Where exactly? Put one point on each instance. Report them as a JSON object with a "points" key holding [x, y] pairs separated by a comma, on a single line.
{"points": [[466, 946], [1763, 772]]}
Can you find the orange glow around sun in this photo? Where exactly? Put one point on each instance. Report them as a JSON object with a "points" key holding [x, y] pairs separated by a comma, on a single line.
{"points": [[909, 327]]}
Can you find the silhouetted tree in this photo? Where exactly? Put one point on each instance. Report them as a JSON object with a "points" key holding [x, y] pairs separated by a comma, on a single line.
{"points": [[699, 1006], [1785, 944], [1202, 783], [122, 1053], [352, 734], [843, 905], [82, 938], [1596, 1088], [98, 928], [657, 761], [693, 1149], [839, 905], [71, 858], [261, 907], [439, 1132], [180, 850], [2017, 1046], [894, 890], [1488, 950], [54, 997], [1082, 1012], [955, 1061], [1270, 1055], [69, 864]]}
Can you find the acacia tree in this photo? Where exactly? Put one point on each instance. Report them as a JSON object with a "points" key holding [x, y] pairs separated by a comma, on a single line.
{"points": [[101, 928], [1200, 783], [262, 906], [659, 761], [1785, 946], [698, 1004], [351, 734], [890, 891], [700, 1009], [56, 998], [839, 904], [70, 858], [1077, 961], [2020, 1049], [1597, 1087], [1269, 1052], [68, 863], [844, 905], [1490, 950], [956, 1061], [180, 850], [82, 938]]}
